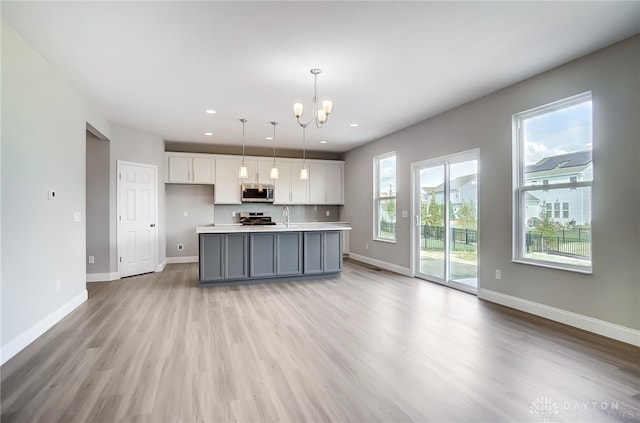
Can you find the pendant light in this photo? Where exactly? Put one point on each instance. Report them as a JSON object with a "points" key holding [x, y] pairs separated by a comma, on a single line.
{"points": [[304, 173], [244, 172], [275, 172]]}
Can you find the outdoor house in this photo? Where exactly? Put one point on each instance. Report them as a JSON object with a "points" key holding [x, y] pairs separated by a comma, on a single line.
{"points": [[571, 207]]}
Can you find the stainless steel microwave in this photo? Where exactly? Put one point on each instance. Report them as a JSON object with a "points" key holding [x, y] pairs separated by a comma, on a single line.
{"points": [[257, 193]]}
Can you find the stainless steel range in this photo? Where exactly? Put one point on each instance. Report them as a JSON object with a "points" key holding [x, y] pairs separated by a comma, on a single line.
{"points": [[256, 218]]}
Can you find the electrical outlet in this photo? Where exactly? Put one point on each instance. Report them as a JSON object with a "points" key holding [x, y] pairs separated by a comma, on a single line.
{"points": [[186, 214], [58, 283], [92, 259], [180, 247], [328, 212], [498, 274], [366, 246], [52, 194], [233, 214]]}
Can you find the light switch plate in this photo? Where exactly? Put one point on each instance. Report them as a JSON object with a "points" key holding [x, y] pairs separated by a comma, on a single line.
{"points": [[77, 216]]}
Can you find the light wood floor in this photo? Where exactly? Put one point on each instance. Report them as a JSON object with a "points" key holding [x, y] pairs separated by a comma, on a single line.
{"points": [[371, 346]]}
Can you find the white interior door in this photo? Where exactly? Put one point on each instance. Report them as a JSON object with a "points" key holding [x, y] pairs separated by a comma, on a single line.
{"points": [[137, 216]]}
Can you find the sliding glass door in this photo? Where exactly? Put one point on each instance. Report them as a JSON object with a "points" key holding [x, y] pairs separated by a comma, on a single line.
{"points": [[446, 232]]}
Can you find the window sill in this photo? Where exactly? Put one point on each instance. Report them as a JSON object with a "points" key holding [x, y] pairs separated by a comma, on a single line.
{"points": [[388, 241], [555, 266]]}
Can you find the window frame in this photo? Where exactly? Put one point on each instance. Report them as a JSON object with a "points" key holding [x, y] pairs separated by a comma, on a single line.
{"points": [[377, 198], [520, 189]]}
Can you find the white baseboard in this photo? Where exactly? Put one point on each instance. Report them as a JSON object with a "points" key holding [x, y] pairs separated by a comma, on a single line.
{"points": [[102, 277], [382, 264], [161, 266], [580, 321], [17, 344], [186, 259]]}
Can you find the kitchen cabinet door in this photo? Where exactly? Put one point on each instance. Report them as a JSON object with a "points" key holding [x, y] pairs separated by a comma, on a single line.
{"points": [[313, 253], [299, 189], [332, 251], [212, 255], [282, 186], [289, 253], [179, 169], [227, 188], [262, 253], [317, 185], [334, 183], [236, 256], [203, 170]]}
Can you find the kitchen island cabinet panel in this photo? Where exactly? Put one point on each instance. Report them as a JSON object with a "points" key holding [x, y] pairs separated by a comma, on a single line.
{"points": [[289, 253], [236, 256], [313, 253], [332, 251], [223, 256], [322, 252], [262, 254], [212, 257]]}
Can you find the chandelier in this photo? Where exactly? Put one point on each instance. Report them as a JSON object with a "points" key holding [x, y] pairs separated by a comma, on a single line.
{"points": [[320, 115]]}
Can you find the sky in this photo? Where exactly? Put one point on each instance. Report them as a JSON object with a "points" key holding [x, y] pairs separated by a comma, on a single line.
{"points": [[557, 132]]}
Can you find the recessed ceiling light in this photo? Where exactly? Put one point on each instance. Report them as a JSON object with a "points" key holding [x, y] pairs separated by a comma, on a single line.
{"points": [[208, 134], [353, 125], [210, 112], [268, 138], [323, 141]]}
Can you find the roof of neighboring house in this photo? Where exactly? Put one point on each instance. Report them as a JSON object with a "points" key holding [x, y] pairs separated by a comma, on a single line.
{"points": [[455, 184], [563, 163], [530, 197]]}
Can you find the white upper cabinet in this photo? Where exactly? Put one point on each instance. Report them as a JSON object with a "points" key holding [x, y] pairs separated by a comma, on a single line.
{"points": [[259, 171], [324, 186], [282, 185], [289, 189], [187, 168], [227, 189], [326, 183]]}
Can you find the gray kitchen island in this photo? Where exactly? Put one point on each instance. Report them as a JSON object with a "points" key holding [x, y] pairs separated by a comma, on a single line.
{"points": [[235, 253]]}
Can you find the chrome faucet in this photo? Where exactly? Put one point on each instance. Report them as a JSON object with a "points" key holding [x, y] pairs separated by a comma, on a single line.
{"points": [[285, 215]]}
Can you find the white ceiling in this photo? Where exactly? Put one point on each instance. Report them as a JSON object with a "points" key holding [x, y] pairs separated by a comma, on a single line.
{"points": [[157, 66]]}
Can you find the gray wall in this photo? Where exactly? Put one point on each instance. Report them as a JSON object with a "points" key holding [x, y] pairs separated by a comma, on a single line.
{"points": [[138, 146], [43, 147], [612, 292], [197, 202], [98, 204]]}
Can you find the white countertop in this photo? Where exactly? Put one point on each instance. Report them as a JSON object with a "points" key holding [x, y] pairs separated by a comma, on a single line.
{"points": [[280, 227]]}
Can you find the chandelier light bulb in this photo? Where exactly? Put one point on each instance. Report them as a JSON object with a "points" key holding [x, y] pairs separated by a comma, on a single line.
{"points": [[327, 106], [297, 109]]}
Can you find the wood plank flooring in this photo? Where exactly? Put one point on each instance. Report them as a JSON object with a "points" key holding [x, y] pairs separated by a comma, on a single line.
{"points": [[371, 346]]}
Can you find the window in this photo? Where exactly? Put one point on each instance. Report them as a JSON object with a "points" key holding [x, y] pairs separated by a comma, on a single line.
{"points": [[384, 170], [552, 219]]}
